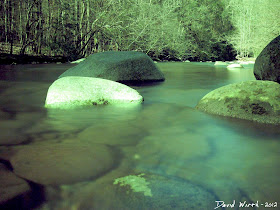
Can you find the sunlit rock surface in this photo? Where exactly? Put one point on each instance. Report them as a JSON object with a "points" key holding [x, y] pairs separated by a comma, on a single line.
{"points": [[125, 66], [267, 65], [73, 92], [61, 162], [252, 100], [11, 185]]}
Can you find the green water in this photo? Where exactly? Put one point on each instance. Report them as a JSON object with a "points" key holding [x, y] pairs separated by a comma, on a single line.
{"points": [[190, 159]]}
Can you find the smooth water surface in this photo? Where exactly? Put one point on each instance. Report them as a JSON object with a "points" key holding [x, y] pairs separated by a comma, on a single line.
{"points": [[190, 159]]}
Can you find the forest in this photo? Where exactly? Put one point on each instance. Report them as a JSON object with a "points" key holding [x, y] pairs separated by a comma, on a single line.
{"points": [[179, 30]]}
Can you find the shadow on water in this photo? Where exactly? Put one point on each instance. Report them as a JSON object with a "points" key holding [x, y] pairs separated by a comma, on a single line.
{"points": [[142, 83]]}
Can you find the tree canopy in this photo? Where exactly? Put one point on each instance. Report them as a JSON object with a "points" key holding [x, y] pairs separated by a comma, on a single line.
{"points": [[164, 29]]}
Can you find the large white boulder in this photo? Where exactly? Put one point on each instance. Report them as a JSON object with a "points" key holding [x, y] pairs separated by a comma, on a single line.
{"points": [[72, 92]]}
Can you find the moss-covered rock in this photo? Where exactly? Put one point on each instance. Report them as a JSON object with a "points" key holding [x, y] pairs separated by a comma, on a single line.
{"points": [[252, 100], [137, 183], [151, 191], [73, 92], [125, 66]]}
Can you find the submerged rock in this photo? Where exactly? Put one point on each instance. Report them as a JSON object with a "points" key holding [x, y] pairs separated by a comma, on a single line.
{"points": [[116, 133], [11, 185], [153, 191], [267, 65], [66, 162], [72, 92], [124, 66], [136, 183], [252, 100]]}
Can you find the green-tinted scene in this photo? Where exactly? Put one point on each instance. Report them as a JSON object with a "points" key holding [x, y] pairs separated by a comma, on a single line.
{"points": [[139, 104]]}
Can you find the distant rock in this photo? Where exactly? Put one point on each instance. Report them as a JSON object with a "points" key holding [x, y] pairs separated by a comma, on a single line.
{"points": [[65, 162], [245, 62], [220, 63], [267, 65], [123, 66], [79, 61], [11, 186], [252, 100], [73, 92], [234, 65]]}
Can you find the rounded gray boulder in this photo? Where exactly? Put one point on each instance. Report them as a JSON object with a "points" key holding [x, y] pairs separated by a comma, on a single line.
{"points": [[123, 66], [251, 100], [267, 65]]}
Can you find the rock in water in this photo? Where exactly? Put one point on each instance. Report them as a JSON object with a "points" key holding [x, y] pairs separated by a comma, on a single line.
{"points": [[252, 100], [234, 65], [78, 61], [220, 63], [11, 186], [267, 65], [124, 66], [73, 92], [65, 162]]}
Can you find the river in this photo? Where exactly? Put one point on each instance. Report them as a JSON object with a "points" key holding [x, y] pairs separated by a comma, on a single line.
{"points": [[190, 159]]}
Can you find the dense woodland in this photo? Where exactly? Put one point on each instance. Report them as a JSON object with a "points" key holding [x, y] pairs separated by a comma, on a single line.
{"points": [[164, 29]]}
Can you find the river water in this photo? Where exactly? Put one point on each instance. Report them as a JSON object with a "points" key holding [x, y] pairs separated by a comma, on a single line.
{"points": [[191, 160]]}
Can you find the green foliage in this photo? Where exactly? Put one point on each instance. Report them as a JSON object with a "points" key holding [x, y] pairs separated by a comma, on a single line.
{"points": [[206, 25], [256, 24], [164, 29]]}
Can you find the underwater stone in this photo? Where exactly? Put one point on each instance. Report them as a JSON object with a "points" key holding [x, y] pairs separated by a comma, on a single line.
{"points": [[65, 162], [11, 185], [136, 183]]}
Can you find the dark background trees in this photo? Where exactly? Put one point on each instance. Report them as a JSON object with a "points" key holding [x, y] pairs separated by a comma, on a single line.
{"points": [[164, 29]]}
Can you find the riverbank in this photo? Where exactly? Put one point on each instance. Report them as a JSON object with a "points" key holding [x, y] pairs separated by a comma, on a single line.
{"points": [[32, 59], [29, 59]]}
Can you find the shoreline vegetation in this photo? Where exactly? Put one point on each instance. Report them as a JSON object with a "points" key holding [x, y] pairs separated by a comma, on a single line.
{"points": [[38, 31], [8, 59]]}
